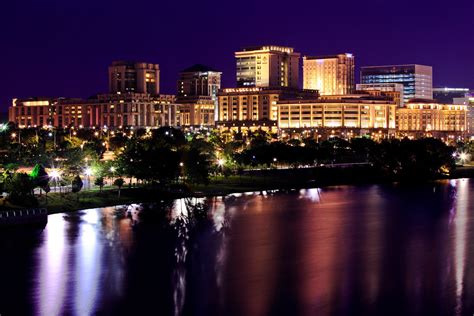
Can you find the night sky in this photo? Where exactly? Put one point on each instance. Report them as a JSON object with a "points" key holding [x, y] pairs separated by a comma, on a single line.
{"points": [[63, 48]]}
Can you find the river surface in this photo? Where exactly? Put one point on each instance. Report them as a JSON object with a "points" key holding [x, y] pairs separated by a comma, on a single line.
{"points": [[348, 250]]}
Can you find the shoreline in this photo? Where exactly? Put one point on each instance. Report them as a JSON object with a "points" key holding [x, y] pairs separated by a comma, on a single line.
{"points": [[150, 194], [267, 180]]}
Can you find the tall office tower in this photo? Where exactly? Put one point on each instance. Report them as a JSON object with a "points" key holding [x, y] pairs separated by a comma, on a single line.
{"points": [[396, 89], [331, 75], [447, 95], [198, 81], [267, 66], [417, 80], [135, 77]]}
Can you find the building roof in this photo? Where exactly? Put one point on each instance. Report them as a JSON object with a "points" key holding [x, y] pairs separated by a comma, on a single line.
{"points": [[328, 56], [199, 68]]}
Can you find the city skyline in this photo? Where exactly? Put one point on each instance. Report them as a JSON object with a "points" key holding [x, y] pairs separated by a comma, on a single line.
{"points": [[41, 55]]}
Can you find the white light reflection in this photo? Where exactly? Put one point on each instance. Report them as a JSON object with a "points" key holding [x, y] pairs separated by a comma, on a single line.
{"points": [[311, 194], [460, 223], [52, 267], [88, 265]]}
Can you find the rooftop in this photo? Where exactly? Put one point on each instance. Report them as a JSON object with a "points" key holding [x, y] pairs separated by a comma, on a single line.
{"points": [[199, 68]]}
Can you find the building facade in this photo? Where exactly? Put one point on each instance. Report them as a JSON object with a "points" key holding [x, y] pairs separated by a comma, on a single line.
{"points": [[329, 75], [395, 89], [267, 66], [255, 104], [468, 101], [134, 77], [417, 80], [429, 118], [200, 80], [355, 112], [196, 111], [104, 110]]}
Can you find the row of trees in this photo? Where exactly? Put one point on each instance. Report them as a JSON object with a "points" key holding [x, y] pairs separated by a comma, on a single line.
{"points": [[166, 155]]}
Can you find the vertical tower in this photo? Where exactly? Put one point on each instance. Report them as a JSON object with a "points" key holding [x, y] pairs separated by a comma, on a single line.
{"points": [[331, 75], [267, 66]]}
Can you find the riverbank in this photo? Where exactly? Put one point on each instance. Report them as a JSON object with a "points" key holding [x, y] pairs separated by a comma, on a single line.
{"points": [[250, 181]]}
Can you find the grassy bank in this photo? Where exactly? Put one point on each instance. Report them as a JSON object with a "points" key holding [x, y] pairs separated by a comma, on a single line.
{"points": [[257, 180]]}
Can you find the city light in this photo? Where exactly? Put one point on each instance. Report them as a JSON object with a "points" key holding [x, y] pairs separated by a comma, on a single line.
{"points": [[88, 172], [220, 162], [55, 174]]}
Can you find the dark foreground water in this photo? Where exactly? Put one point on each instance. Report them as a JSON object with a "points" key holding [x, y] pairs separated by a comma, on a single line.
{"points": [[369, 250]]}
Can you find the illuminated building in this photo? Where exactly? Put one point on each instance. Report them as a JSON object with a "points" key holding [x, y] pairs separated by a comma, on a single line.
{"points": [[416, 79], [468, 101], [135, 77], [255, 106], [395, 89], [197, 81], [267, 66], [110, 110], [196, 111], [358, 112], [447, 95], [423, 117], [329, 74]]}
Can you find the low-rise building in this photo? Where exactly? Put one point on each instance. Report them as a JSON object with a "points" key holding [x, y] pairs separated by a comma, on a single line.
{"points": [[358, 113], [256, 107], [110, 110], [423, 117], [197, 111]]}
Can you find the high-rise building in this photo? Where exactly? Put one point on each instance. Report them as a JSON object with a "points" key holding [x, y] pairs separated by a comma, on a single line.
{"points": [[267, 66], [199, 81], [329, 75], [396, 88], [125, 76], [417, 80], [447, 95]]}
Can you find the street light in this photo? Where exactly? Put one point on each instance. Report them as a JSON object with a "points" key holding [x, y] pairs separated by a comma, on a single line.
{"points": [[55, 174], [88, 172]]}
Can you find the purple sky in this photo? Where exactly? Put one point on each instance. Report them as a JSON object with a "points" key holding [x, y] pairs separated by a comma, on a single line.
{"points": [[63, 48]]}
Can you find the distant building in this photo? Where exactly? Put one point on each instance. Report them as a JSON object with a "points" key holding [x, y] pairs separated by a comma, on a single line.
{"points": [[447, 95], [423, 117], [417, 80], [358, 114], [384, 87], [329, 74], [197, 81], [137, 77], [267, 66], [255, 107], [104, 110]]}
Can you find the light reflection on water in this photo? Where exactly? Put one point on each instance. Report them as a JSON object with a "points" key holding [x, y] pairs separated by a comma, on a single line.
{"points": [[369, 250]]}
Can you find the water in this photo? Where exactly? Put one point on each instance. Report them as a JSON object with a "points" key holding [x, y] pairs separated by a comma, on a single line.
{"points": [[369, 250]]}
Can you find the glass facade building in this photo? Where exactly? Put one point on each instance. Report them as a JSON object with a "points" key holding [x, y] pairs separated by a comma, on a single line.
{"points": [[417, 80]]}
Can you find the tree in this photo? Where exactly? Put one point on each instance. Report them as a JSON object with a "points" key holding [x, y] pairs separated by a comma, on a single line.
{"points": [[40, 177], [76, 184], [19, 187], [119, 183], [99, 181]]}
